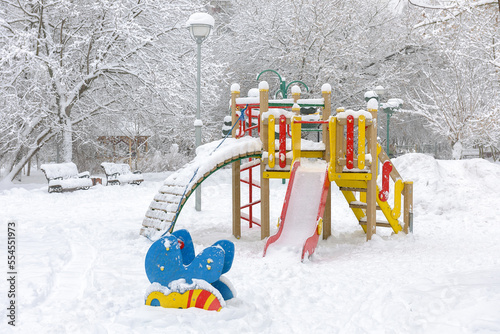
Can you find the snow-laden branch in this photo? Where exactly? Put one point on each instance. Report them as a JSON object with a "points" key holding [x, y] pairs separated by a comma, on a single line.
{"points": [[420, 4], [453, 11], [92, 113], [26, 12]]}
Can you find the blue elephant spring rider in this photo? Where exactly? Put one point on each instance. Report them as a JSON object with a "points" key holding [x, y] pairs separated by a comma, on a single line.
{"points": [[179, 279]]}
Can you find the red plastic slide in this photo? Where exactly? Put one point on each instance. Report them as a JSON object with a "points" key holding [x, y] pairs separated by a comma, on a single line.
{"points": [[302, 213]]}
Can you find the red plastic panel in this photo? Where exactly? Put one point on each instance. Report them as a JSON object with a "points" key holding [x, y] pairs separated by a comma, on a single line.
{"points": [[282, 142], [386, 171], [350, 143]]}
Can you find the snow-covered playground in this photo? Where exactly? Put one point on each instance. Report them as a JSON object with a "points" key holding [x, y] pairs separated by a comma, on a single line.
{"points": [[81, 260]]}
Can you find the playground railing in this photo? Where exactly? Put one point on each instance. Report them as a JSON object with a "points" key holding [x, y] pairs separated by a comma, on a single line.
{"points": [[343, 155]]}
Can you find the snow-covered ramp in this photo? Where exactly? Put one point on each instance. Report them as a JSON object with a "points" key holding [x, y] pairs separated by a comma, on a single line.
{"points": [[168, 203]]}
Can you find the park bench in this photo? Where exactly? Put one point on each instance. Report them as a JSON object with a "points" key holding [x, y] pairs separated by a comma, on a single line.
{"points": [[470, 153], [65, 176], [120, 174]]}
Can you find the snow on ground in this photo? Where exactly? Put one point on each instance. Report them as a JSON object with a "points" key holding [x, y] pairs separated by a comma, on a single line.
{"points": [[81, 261]]}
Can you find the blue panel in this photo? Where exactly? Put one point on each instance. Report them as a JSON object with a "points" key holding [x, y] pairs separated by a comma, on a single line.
{"points": [[224, 290], [162, 265], [166, 261], [228, 248], [188, 250]]}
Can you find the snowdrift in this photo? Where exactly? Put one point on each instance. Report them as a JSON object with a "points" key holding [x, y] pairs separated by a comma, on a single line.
{"points": [[82, 266]]}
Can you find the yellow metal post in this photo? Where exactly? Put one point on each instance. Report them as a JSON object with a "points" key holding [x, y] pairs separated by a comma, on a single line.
{"points": [[361, 141], [296, 137], [371, 189], [398, 189], [271, 141]]}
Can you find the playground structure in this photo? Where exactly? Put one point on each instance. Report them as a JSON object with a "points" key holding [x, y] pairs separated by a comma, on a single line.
{"points": [[348, 154]]}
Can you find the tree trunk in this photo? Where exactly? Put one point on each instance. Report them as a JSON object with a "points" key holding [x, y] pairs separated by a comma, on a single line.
{"points": [[457, 150], [17, 166], [67, 145]]}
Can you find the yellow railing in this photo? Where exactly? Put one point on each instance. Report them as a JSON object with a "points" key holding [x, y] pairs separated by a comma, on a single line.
{"points": [[361, 142], [332, 122], [271, 141], [296, 137]]}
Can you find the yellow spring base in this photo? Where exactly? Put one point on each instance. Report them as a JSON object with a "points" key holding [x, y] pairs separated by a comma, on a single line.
{"points": [[198, 298]]}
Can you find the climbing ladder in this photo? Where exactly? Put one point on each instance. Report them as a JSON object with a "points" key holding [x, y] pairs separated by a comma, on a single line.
{"points": [[246, 126], [354, 192], [353, 167]]}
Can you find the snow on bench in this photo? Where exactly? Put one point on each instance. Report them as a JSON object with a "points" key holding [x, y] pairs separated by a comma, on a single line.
{"points": [[121, 174], [65, 176], [470, 153]]}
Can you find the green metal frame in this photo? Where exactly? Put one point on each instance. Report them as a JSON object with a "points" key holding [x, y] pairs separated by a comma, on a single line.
{"points": [[283, 86]]}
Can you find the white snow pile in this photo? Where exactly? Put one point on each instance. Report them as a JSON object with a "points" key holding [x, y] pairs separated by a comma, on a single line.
{"points": [[355, 114], [197, 19], [64, 170], [208, 156], [277, 112], [80, 260]]}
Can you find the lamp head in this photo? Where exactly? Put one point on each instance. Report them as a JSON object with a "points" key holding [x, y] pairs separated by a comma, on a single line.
{"points": [[379, 90], [200, 25]]}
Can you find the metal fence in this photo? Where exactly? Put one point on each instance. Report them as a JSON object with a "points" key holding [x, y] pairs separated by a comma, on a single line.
{"points": [[437, 150]]}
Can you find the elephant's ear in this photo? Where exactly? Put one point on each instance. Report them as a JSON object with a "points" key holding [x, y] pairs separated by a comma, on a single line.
{"points": [[228, 248], [187, 248], [163, 261], [207, 265]]}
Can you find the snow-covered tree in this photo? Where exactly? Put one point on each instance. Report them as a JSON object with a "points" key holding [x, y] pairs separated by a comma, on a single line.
{"points": [[457, 101], [349, 44], [65, 64], [456, 85]]}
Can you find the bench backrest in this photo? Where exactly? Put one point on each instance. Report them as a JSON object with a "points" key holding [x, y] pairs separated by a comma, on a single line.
{"points": [[64, 170], [112, 168]]}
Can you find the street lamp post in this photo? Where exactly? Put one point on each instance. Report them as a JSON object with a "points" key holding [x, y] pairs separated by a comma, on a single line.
{"points": [[199, 25], [389, 108], [388, 114], [380, 91]]}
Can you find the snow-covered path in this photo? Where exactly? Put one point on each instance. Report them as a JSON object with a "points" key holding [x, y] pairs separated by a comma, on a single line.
{"points": [[81, 261]]}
